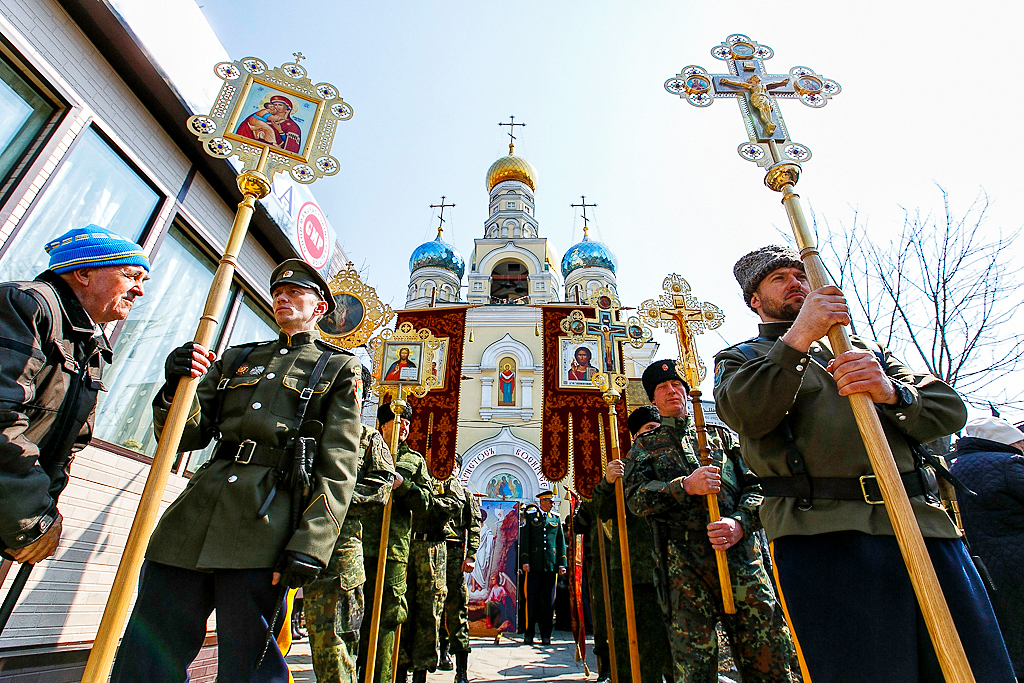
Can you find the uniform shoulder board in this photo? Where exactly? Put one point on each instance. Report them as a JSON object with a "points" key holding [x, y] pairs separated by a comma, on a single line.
{"points": [[334, 347]]}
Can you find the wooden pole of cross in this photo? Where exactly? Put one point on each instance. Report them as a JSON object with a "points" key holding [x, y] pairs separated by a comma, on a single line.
{"points": [[770, 147]]}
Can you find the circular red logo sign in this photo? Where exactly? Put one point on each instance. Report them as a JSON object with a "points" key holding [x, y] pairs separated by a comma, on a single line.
{"points": [[311, 225]]}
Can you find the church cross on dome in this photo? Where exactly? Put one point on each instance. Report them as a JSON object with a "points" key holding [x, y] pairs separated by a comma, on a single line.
{"points": [[586, 226], [442, 205], [511, 130]]}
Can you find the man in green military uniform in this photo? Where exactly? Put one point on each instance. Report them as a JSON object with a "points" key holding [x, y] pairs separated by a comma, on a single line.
{"points": [[334, 603], [255, 518], [411, 498], [462, 535], [542, 556], [666, 483], [426, 582], [652, 641], [837, 564]]}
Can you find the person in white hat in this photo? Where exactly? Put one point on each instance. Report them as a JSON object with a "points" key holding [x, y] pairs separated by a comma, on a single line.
{"points": [[990, 461]]}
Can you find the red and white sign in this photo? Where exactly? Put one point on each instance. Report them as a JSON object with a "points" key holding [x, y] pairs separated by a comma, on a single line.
{"points": [[314, 237]]}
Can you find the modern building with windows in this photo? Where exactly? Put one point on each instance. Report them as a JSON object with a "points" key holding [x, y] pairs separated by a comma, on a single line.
{"points": [[93, 131]]}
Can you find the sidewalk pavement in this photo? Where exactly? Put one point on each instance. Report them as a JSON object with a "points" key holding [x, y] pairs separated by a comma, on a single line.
{"points": [[509, 661]]}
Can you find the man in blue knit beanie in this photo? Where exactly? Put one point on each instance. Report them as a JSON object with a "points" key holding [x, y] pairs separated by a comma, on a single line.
{"points": [[53, 350]]}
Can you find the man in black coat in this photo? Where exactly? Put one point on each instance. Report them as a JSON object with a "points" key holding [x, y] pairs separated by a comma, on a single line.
{"points": [[990, 461]]}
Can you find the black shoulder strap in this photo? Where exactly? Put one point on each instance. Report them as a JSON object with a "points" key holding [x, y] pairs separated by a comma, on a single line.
{"points": [[307, 393]]}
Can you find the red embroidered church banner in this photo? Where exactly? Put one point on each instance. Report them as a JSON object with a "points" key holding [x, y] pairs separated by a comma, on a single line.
{"points": [[435, 419]]}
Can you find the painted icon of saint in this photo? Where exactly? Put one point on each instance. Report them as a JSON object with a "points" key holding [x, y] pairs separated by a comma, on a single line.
{"points": [[507, 385], [394, 373], [581, 370], [273, 125]]}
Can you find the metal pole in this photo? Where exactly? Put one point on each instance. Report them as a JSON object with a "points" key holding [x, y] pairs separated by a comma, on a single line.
{"points": [[13, 593], [705, 459], [948, 648], [397, 406], [254, 185], [611, 397]]}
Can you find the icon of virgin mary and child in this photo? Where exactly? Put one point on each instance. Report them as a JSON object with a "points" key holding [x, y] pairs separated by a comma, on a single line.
{"points": [[273, 125]]}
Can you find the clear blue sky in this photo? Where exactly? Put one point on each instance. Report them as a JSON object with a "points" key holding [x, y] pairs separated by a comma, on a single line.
{"points": [[927, 98]]}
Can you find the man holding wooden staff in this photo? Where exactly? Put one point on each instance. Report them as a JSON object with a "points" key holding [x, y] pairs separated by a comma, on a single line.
{"points": [[666, 483], [265, 512], [844, 585]]}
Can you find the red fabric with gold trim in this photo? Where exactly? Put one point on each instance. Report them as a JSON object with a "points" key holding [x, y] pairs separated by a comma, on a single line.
{"points": [[586, 407], [436, 438]]}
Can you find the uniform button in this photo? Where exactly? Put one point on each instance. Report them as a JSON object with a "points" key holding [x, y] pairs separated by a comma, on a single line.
{"points": [[800, 368], [902, 416], [271, 375], [257, 405], [20, 538], [283, 351], [232, 479]]}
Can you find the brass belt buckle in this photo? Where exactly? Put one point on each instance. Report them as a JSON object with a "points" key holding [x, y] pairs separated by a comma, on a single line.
{"points": [[245, 451], [864, 491]]}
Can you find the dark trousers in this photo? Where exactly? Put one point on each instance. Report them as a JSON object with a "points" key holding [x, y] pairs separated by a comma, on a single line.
{"points": [[855, 618], [168, 625], [540, 589]]}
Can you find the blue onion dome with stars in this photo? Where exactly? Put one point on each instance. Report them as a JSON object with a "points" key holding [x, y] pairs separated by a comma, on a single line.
{"points": [[588, 254], [438, 254]]}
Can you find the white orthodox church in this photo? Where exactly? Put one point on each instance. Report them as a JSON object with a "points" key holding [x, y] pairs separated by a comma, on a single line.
{"points": [[512, 268]]}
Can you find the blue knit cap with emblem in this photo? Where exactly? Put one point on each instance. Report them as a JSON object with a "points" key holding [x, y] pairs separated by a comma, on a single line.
{"points": [[93, 247]]}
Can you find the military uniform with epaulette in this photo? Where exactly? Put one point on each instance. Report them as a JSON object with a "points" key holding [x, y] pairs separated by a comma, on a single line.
{"points": [[462, 536], [334, 604], [837, 564], [250, 507], [411, 499], [426, 581], [542, 547]]}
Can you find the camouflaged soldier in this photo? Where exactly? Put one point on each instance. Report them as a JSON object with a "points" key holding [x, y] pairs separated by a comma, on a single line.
{"points": [[652, 640], [426, 582], [666, 483], [334, 603], [412, 498], [462, 535]]}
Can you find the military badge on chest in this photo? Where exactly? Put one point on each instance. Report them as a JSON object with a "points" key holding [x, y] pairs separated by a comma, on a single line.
{"points": [[246, 370]]}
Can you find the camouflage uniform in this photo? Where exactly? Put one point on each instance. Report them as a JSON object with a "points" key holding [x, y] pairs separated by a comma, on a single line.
{"points": [[334, 603], [585, 523], [462, 534], [411, 498], [688, 576], [652, 641], [427, 577]]}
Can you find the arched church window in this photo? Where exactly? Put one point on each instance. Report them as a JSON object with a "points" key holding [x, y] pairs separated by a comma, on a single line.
{"points": [[592, 287], [507, 380], [509, 280], [526, 232]]}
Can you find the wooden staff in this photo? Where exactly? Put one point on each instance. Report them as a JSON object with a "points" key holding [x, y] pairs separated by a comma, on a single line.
{"points": [[254, 185], [526, 599], [705, 459], [397, 407], [611, 397], [607, 601], [948, 648]]}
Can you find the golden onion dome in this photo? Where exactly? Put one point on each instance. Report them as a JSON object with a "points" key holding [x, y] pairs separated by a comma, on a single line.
{"points": [[511, 168]]}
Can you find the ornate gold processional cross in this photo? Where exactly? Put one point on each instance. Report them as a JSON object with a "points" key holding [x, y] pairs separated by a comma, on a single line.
{"points": [[770, 147]]}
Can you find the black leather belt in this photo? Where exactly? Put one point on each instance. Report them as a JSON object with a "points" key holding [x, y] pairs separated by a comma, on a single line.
{"points": [[863, 488], [427, 537], [251, 453]]}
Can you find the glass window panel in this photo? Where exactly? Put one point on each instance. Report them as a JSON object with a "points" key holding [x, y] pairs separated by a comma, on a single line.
{"points": [[92, 185], [252, 324], [166, 317], [23, 113]]}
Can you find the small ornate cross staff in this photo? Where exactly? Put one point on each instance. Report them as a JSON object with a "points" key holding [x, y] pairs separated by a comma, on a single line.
{"points": [[679, 311], [767, 132], [610, 334], [252, 120], [394, 386]]}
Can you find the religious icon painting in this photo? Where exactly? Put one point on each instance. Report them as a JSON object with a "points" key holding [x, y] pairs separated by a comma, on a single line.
{"points": [[402, 363], [359, 312], [507, 382], [437, 366], [270, 116], [491, 587], [578, 362]]}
